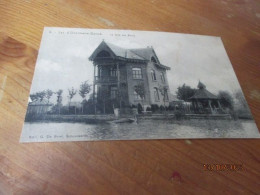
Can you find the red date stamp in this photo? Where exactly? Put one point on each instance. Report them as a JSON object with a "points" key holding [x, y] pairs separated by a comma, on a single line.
{"points": [[223, 167]]}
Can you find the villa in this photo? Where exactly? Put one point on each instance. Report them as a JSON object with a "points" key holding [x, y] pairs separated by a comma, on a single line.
{"points": [[118, 72]]}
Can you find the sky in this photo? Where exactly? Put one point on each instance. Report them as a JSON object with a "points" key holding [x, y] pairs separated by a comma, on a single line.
{"points": [[63, 61]]}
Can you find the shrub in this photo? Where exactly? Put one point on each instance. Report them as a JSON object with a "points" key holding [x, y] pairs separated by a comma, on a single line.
{"points": [[178, 115], [162, 108], [170, 108], [133, 106], [140, 108], [233, 114], [89, 108], [154, 107], [148, 108]]}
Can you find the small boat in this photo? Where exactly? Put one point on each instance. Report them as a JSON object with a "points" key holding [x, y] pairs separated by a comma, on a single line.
{"points": [[124, 120]]}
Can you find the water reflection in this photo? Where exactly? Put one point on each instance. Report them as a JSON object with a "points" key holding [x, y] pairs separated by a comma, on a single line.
{"points": [[148, 129]]}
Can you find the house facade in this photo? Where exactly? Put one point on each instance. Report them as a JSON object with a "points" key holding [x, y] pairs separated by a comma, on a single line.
{"points": [[129, 76]]}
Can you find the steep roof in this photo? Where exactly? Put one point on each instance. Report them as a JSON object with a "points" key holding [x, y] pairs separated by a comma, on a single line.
{"points": [[203, 93], [201, 85], [122, 52], [143, 54]]}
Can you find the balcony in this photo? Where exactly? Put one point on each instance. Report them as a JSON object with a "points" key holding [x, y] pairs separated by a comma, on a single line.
{"points": [[105, 79]]}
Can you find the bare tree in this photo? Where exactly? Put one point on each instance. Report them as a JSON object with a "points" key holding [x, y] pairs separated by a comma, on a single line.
{"points": [[72, 92], [40, 95], [84, 91], [59, 98], [48, 93], [33, 97]]}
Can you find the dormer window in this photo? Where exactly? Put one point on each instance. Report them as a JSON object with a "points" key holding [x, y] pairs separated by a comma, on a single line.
{"points": [[153, 75], [103, 54], [153, 60]]}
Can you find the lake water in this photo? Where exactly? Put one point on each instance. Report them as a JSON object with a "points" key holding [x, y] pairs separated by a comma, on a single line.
{"points": [[144, 129]]}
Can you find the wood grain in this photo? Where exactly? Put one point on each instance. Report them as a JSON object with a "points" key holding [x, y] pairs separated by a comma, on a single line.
{"points": [[125, 167]]}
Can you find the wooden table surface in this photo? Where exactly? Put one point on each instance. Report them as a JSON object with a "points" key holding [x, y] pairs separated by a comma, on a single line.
{"points": [[125, 167]]}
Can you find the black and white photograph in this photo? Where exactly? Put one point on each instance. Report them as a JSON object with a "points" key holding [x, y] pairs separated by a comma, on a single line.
{"points": [[96, 84]]}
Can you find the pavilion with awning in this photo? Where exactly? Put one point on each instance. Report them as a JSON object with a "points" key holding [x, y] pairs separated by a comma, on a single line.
{"points": [[204, 102]]}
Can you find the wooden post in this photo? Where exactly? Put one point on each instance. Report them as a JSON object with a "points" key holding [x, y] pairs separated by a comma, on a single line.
{"points": [[219, 105], [193, 105], [197, 107], [211, 110]]}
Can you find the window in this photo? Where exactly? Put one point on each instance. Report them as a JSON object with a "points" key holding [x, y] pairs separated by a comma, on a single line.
{"points": [[98, 92], [162, 77], [113, 72], [156, 94], [153, 60], [153, 75], [100, 71], [137, 73], [166, 97], [113, 92]]}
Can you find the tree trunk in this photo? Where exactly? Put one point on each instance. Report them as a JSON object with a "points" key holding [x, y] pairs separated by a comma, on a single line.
{"points": [[82, 106], [164, 107], [164, 103], [143, 105], [69, 106]]}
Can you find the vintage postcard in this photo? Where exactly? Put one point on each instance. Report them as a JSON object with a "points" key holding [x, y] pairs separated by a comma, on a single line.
{"points": [[93, 84]]}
